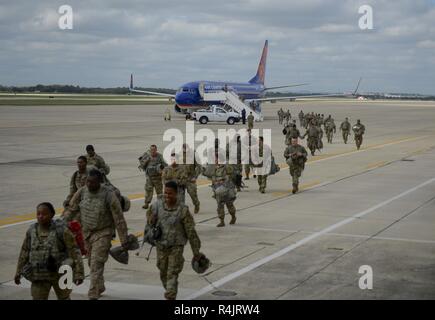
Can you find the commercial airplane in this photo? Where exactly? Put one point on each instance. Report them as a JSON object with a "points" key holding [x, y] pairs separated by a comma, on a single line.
{"points": [[189, 97]]}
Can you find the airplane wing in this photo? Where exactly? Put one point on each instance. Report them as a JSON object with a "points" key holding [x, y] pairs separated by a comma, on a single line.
{"points": [[353, 94], [131, 88], [299, 97], [288, 86], [154, 93]]}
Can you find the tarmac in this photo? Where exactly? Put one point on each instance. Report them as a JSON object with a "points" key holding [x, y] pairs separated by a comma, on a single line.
{"points": [[373, 207]]}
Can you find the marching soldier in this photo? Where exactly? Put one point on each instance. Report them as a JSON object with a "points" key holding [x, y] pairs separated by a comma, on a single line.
{"points": [[78, 179], [358, 131], [246, 142], [223, 188], [250, 121], [48, 245], [261, 168], [152, 163], [177, 227], [291, 131], [296, 156], [167, 115], [99, 212], [96, 160], [288, 116], [313, 138], [280, 115], [192, 171], [345, 129], [330, 129]]}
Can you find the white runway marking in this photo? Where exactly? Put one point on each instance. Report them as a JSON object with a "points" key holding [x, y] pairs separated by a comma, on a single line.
{"points": [[301, 242]]}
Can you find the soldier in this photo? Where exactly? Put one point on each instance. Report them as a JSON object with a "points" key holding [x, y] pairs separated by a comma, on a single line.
{"points": [[48, 245], [96, 160], [261, 161], [320, 138], [167, 115], [192, 170], [99, 212], [291, 131], [288, 116], [296, 156], [250, 121], [177, 227], [177, 173], [223, 188], [313, 134], [246, 143], [236, 161], [330, 129], [280, 115], [78, 179], [301, 118], [358, 131], [345, 129], [152, 163]]}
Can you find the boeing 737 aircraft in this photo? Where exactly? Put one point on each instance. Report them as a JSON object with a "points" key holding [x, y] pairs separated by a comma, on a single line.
{"points": [[190, 96]]}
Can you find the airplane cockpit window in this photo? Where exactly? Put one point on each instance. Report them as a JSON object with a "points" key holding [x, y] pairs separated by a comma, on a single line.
{"points": [[185, 89]]}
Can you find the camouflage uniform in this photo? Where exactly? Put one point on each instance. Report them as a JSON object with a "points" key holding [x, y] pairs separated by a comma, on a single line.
{"points": [[78, 180], [98, 162], [261, 170], [153, 167], [99, 214], [246, 143], [58, 242], [313, 133], [358, 131], [296, 163], [345, 129], [290, 132], [192, 172], [167, 115], [177, 227], [223, 189], [287, 117], [330, 129], [280, 115], [320, 140], [250, 119], [178, 174]]}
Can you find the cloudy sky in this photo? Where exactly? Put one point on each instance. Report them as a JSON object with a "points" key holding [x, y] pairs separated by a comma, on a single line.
{"points": [[165, 43]]}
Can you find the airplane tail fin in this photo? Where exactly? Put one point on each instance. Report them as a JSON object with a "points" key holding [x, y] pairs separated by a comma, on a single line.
{"points": [[261, 71], [357, 87], [131, 81]]}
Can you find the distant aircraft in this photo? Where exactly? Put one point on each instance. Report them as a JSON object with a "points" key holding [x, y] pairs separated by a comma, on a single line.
{"points": [[191, 96]]}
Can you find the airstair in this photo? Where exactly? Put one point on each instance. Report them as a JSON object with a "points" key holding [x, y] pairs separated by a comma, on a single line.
{"points": [[231, 99]]}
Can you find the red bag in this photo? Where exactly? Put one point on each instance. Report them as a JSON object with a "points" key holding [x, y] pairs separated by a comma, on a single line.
{"points": [[76, 230]]}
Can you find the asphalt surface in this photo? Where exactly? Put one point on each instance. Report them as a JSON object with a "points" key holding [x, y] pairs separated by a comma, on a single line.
{"points": [[373, 207]]}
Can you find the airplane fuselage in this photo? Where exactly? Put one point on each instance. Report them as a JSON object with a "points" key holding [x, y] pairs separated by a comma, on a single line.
{"points": [[188, 95]]}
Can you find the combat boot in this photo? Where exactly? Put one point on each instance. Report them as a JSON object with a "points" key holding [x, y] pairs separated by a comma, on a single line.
{"points": [[295, 188], [233, 219], [221, 224], [196, 208], [145, 206]]}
